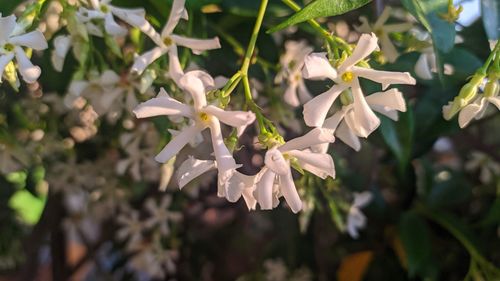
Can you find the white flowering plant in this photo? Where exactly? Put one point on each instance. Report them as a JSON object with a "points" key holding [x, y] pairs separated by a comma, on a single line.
{"points": [[139, 138]]}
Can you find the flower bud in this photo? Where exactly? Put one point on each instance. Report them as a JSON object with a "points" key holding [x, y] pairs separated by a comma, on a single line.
{"points": [[469, 90], [491, 89]]}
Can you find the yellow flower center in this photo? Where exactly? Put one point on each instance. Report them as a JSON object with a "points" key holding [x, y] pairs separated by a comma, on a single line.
{"points": [[204, 117], [347, 76], [167, 41], [104, 9], [8, 47]]}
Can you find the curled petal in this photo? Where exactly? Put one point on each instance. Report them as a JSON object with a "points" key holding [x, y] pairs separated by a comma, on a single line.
{"points": [[495, 101], [348, 137], [366, 45], [144, 60], [231, 118], [34, 40], [365, 121], [29, 72], [176, 13], [225, 161], [387, 103], [317, 67], [470, 111], [290, 192], [320, 164], [313, 137], [177, 143], [239, 185], [192, 168], [315, 110], [197, 45], [8, 25], [163, 105], [264, 190], [112, 27], [136, 18], [192, 83], [385, 78], [275, 161], [4, 60]]}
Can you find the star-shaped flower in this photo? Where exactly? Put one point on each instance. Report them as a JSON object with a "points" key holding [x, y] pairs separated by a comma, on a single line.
{"points": [[355, 218], [12, 39], [317, 66]]}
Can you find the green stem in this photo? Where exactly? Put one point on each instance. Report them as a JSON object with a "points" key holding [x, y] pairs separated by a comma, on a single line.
{"points": [[251, 104], [253, 39], [494, 53]]}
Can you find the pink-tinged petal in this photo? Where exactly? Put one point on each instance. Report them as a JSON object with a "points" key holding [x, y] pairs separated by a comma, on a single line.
{"points": [[289, 191], [382, 19], [365, 121], [7, 26], [144, 60], [231, 118], [495, 101], [4, 60], [197, 45], [176, 13], [386, 78], [313, 137], [162, 106], [29, 72], [225, 161], [290, 95], [320, 164], [303, 92], [264, 190], [192, 83], [112, 28], [388, 48], [192, 168], [320, 148], [174, 66], [34, 40], [275, 161], [315, 110], [177, 143], [317, 67], [348, 137], [470, 111], [366, 45]]}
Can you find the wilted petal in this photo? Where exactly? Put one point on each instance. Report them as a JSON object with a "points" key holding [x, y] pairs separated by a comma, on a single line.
{"points": [[320, 164], [192, 168], [275, 161], [317, 67], [365, 121], [289, 191], [348, 137], [313, 137], [386, 78], [176, 13], [366, 45], [34, 40], [470, 111], [192, 83], [197, 45], [4, 60], [177, 143], [29, 72], [7, 26], [231, 118], [144, 60], [264, 190], [162, 106], [315, 110]]}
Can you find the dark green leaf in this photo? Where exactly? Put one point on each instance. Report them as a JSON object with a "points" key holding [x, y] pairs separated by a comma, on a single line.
{"points": [[399, 136], [321, 8], [8, 6]]}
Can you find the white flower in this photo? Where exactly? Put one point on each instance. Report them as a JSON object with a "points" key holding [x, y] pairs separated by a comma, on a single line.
{"points": [[167, 43], [276, 179], [317, 66], [202, 115], [292, 62], [12, 39], [155, 261], [356, 219], [102, 9], [62, 43], [383, 30], [131, 229], [161, 215], [476, 109]]}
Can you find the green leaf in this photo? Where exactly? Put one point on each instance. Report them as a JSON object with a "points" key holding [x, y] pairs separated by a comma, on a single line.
{"points": [[7, 7], [27, 206], [320, 8], [491, 18], [399, 136], [414, 234]]}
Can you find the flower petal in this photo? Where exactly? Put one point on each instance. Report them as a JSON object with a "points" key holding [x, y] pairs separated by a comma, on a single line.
{"points": [[320, 164], [290, 95], [384, 16], [7, 26], [4, 60], [112, 28], [333, 121], [143, 61], [174, 66], [231, 118], [495, 101], [192, 83], [237, 185], [313, 137], [109, 78], [386, 78], [275, 161], [177, 143], [315, 110], [192, 168], [398, 27], [29, 72], [387, 101], [317, 67], [197, 45], [348, 137], [362, 199], [264, 190], [365, 121], [290, 192], [366, 45], [136, 18], [388, 48], [162, 106], [470, 111], [33, 39], [176, 13], [303, 92]]}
